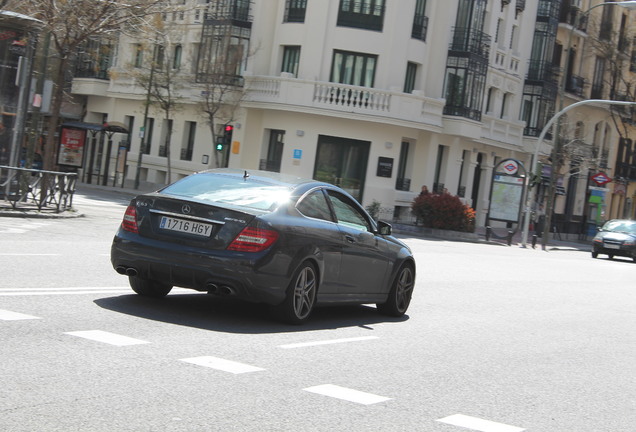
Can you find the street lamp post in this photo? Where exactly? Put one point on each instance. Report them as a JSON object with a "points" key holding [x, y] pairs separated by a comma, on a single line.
{"points": [[557, 139]]}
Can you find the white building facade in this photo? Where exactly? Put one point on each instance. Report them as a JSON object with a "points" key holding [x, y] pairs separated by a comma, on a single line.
{"points": [[377, 96]]}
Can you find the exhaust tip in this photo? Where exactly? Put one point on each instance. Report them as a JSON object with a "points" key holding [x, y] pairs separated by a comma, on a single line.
{"points": [[121, 270], [212, 288], [226, 290], [131, 271]]}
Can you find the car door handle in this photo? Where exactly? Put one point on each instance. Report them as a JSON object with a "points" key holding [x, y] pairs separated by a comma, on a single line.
{"points": [[350, 239]]}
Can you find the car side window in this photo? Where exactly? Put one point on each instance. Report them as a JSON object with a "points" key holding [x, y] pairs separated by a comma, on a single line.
{"points": [[315, 206], [348, 213]]}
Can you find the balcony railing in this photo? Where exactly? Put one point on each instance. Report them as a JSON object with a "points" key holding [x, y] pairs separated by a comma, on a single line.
{"points": [[420, 27], [575, 84], [186, 154], [542, 71], [403, 184], [269, 165], [468, 40]]}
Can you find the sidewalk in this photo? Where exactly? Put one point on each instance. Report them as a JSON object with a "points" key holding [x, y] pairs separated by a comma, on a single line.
{"points": [[498, 236]]}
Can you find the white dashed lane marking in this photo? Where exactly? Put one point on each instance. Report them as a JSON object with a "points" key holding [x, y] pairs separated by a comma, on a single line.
{"points": [[222, 364], [347, 394], [106, 337], [478, 424], [6, 315], [327, 342]]}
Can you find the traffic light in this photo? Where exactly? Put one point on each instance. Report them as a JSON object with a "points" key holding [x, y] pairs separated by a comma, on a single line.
{"points": [[226, 139]]}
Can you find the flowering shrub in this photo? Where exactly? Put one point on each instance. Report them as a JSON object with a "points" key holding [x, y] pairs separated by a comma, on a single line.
{"points": [[444, 211]]}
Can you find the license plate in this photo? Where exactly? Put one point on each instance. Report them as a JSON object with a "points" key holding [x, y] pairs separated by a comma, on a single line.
{"points": [[185, 226], [612, 246]]}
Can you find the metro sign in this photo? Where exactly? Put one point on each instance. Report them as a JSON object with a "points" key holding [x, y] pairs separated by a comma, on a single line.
{"points": [[601, 179], [511, 167]]}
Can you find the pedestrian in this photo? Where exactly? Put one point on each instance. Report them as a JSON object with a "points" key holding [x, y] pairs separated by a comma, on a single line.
{"points": [[424, 190]]}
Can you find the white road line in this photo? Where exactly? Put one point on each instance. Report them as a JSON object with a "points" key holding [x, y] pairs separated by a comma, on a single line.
{"points": [[6, 315], [347, 394], [8, 292], [107, 337], [29, 254], [478, 424], [222, 364], [13, 292], [327, 342]]}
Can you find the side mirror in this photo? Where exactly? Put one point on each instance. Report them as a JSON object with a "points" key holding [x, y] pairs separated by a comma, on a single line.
{"points": [[384, 228]]}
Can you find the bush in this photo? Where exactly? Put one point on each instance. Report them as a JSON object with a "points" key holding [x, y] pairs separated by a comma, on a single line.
{"points": [[444, 211]]}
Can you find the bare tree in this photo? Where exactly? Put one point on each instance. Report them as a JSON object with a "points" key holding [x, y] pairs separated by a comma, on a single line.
{"points": [[70, 24], [160, 78]]}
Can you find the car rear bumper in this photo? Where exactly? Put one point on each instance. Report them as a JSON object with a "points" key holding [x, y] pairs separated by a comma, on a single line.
{"points": [[258, 278]]}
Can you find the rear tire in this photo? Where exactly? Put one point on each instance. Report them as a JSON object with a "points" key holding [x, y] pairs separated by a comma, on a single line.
{"points": [[148, 288], [400, 294], [301, 296]]}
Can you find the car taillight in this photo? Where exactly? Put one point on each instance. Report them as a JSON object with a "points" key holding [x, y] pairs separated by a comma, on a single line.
{"points": [[253, 240], [130, 219]]}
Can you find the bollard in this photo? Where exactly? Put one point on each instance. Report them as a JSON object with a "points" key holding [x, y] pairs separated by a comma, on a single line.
{"points": [[510, 233], [534, 241], [487, 233]]}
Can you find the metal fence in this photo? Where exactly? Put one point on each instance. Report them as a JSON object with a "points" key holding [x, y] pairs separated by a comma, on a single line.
{"points": [[23, 189]]}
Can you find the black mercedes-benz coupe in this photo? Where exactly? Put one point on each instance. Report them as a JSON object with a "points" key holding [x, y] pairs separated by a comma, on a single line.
{"points": [[265, 237]]}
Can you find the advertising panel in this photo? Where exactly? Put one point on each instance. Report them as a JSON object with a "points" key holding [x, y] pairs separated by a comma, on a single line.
{"points": [[71, 151]]}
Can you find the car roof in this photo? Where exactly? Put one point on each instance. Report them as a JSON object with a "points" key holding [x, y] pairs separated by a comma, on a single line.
{"points": [[266, 177]]}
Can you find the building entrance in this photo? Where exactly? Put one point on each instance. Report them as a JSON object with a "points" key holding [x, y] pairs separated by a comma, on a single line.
{"points": [[342, 162]]}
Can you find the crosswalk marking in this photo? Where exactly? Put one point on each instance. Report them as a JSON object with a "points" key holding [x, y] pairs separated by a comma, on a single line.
{"points": [[107, 337], [6, 315], [327, 342], [347, 394], [478, 424], [222, 364]]}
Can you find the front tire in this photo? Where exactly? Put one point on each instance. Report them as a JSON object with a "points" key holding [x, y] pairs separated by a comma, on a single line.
{"points": [[400, 294], [594, 254], [148, 288], [301, 295]]}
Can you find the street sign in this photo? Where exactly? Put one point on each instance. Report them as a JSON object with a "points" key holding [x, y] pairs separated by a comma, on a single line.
{"points": [[601, 178]]}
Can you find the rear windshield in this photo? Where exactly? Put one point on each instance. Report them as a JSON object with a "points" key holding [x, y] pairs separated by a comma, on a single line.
{"points": [[223, 189]]}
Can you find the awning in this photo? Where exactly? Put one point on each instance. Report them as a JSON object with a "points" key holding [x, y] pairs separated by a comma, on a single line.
{"points": [[112, 127]]}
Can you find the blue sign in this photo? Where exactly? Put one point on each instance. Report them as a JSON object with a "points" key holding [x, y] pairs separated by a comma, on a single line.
{"points": [[298, 154]]}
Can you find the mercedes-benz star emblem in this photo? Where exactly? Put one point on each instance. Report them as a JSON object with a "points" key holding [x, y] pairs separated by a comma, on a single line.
{"points": [[185, 209]]}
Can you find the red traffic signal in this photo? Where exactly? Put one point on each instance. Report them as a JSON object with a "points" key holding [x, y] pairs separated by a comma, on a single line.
{"points": [[229, 128]]}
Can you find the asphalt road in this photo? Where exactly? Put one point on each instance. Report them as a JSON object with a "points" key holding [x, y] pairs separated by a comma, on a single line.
{"points": [[497, 339]]}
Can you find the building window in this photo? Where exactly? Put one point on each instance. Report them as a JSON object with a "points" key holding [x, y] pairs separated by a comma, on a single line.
{"points": [[504, 104], [420, 21], [353, 68], [597, 81], [402, 183], [291, 58], [364, 14], [409, 80], [190, 130], [274, 151], [138, 61], [166, 133], [295, 11], [176, 58], [147, 140], [160, 56]]}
